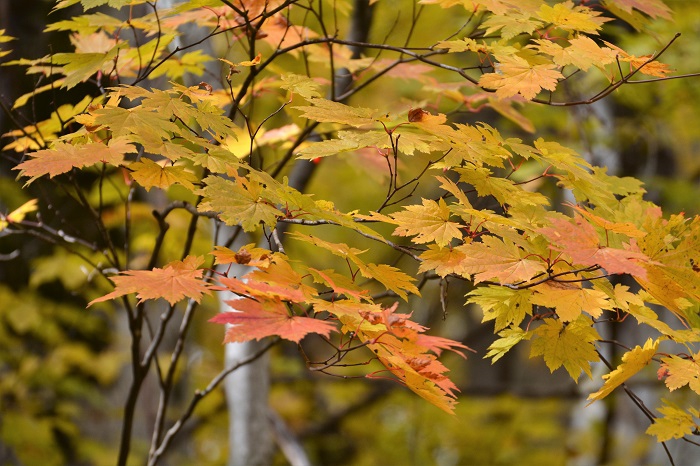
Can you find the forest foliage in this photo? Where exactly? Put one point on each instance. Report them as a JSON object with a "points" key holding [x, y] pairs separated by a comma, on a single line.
{"points": [[551, 246]]}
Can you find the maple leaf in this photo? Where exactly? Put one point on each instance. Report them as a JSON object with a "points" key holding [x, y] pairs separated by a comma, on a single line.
{"points": [[340, 284], [579, 240], [505, 7], [514, 75], [505, 191], [431, 392], [572, 18], [150, 174], [682, 372], [5, 38], [352, 315], [249, 255], [254, 320], [504, 305], [238, 202], [569, 299], [18, 214], [493, 258], [89, 4], [429, 221], [260, 290], [391, 277], [64, 156], [438, 344], [302, 85], [443, 261], [582, 53], [628, 229], [511, 25], [176, 281], [324, 110], [509, 338], [569, 345], [633, 361], [643, 63], [653, 8], [136, 120], [646, 316], [80, 66], [675, 423]]}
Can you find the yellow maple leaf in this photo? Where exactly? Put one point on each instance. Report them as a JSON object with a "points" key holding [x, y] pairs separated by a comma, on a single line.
{"points": [[493, 258], [240, 201], [512, 24], [150, 174], [430, 222], [682, 372], [633, 361], [570, 346], [569, 299], [568, 17], [582, 53], [514, 75], [504, 305], [443, 261], [324, 110], [675, 422]]}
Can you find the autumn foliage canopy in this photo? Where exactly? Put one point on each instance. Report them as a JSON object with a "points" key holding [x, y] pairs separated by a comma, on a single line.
{"points": [[463, 202]]}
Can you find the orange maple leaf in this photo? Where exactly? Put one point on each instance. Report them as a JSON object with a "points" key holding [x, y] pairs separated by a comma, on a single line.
{"points": [[63, 157], [253, 319], [654, 8], [643, 63], [175, 281], [579, 241], [247, 255]]}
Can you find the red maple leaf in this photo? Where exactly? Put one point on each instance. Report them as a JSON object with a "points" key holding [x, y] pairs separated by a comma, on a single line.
{"points": [[253, 319]]}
